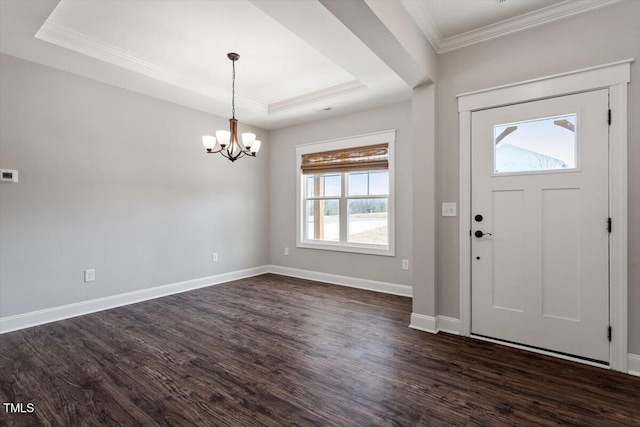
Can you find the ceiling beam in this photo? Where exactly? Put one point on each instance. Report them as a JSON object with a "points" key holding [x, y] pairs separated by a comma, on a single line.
{"points": [[391, 34]]}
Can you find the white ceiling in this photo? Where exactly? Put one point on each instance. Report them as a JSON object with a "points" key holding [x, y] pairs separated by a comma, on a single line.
{"points": [[454, 17], [192, 39], [453, 24], [296, 57], [177, 51]]}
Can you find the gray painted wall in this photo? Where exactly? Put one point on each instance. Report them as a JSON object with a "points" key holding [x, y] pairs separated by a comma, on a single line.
{"points": [[283, 201], [119, 182], [606, 35], [423, 119]]}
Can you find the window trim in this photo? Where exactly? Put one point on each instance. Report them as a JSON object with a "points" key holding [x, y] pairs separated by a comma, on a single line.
{"points": [[337, 144]]}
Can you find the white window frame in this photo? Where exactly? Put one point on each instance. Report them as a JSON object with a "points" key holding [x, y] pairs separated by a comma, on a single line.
{"points": [[386, 137]]}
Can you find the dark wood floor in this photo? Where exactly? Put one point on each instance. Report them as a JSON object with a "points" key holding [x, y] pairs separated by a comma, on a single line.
{"points": [[275, 351]]}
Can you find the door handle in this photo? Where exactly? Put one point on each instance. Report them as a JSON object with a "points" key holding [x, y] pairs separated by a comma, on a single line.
{"points": [[479, 234]]}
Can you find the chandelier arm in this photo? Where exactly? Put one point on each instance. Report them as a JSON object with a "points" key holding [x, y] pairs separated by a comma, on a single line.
{"points": [[237, 156]]}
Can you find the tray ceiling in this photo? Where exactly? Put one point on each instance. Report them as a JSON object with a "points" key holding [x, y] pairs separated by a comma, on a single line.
{"points": [[299, 60], [180, 48]]}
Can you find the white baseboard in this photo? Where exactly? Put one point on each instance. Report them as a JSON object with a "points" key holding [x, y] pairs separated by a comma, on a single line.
{"points": [[448, 325], [34, 318], [435, 324], [352, 282], [425, 323], [633, 364]]}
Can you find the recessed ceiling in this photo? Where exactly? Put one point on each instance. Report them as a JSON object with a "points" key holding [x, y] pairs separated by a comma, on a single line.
{"points": [[192, 38], [452, 24], [180, 48]]}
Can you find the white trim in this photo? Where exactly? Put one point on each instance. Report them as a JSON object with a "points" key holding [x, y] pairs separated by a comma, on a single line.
{"points": [[81, 43], [615, 77], [346, 247], [388, 136], [424, 323], [634, 364], [464, 207], [352, 282], [419, 13], [448, 324], [322, 95], [40, 317], [618, 239], [435, 325], [348, 142], [585, 79]]}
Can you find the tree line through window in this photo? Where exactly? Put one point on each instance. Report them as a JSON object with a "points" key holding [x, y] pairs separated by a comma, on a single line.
{"points": [[366, 199]]}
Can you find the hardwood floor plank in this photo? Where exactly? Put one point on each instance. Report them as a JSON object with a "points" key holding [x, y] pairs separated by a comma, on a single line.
{"points": [[273, 351]]}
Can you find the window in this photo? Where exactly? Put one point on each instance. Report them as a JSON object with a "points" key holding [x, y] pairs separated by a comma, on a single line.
{"points": [[536, 145], [345, 194]]}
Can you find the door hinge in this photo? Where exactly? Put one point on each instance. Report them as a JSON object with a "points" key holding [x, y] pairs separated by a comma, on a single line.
{"points": [[609, 225], [609, 118], [609, 333]]}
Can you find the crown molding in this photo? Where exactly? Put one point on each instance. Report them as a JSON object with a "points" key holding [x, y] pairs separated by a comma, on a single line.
{"points": [[316, 97], [418, 11], [81, 43], [67, 38]]}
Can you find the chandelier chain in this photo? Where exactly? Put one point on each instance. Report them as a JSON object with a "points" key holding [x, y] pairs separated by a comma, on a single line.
{"points": [[233, 91]]}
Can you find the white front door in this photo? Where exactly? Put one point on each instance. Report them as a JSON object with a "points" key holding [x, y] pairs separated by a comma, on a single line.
{"points": [[540, 193]]}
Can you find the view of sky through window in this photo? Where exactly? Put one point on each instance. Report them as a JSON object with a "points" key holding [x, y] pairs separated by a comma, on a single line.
{"points": [[543, 144]]}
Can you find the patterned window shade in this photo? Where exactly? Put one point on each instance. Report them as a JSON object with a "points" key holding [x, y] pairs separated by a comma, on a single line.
{"points": [[371, 157]]}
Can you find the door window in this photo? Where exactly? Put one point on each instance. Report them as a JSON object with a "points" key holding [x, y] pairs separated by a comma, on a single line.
{"points": [[536, 145]]}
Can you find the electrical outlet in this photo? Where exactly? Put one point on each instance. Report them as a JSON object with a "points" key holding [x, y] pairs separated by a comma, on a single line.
{"points": [[286, 251], [89, 275], [405, 264], [214, 257]]}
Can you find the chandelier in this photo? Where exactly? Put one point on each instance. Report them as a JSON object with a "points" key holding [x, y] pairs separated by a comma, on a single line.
{"points": [[226, 141]]}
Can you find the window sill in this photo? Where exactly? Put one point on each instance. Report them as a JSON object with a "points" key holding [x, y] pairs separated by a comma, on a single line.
{"points": [[352, 248]]}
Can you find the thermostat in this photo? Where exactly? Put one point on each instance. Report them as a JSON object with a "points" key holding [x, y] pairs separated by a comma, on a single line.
{"points": [[7, 175]]}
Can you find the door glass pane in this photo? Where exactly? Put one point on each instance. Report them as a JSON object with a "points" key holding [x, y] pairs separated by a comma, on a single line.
{"points": [[535, 145], [368, 222], [322, 220], [323, 185]]}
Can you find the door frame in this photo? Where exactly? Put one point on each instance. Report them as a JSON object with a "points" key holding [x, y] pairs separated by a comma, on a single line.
{"points": [[615, 77]]}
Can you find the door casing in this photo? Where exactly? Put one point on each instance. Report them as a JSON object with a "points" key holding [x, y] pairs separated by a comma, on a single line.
{"points": [[614, 76]]}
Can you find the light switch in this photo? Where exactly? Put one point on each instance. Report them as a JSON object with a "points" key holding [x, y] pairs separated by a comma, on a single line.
{"points": [[449, 209]]}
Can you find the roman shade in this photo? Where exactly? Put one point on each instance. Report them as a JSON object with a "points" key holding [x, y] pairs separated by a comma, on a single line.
{"points": [[370, 157]]}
